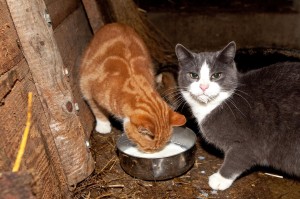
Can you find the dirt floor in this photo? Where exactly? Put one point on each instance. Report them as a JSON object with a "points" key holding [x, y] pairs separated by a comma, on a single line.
{"points": [[110, 181]]}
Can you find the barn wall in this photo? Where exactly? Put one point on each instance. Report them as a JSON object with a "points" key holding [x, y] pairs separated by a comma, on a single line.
{"points": [[40, 157], [211, 30], [72, 33]]}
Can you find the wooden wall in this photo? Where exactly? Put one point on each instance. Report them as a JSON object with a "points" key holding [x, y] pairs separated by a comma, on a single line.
{"points": [[72, 35], [16, 82], [42, 156]]}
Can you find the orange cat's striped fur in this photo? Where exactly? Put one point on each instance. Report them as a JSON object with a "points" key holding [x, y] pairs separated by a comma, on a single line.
{"points": [[116, 78]]}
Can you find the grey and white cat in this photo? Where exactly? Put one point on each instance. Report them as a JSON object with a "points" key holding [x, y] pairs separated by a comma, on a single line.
{"points": [[254, 118]]}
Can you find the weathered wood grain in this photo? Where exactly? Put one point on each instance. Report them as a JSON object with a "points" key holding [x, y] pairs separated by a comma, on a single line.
{"points": [[16, 186], [59, 10], [93, 13], [46, 66], [10, 54], [41, 156], [9, 79], [72, 37]]}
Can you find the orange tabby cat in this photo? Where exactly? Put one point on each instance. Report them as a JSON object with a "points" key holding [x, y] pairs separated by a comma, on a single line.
{"points": [[117, 78]]}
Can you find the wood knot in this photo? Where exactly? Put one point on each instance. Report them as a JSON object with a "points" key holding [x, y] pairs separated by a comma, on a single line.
{"points": [[69, 106]]}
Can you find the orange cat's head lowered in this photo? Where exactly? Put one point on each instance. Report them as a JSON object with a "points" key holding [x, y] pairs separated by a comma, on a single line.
{"points": [[117, 78], [148, 133]]}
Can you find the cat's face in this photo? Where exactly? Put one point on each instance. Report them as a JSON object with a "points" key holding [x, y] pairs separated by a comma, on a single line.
{"points": [[151, 133], [203, 76]]}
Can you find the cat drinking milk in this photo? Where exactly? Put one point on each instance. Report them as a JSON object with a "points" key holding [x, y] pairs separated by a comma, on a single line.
{"points": [[116, 77], [254, 118]]}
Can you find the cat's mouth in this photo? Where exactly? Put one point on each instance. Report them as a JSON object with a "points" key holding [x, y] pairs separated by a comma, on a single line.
{"points": [[202, 98]]}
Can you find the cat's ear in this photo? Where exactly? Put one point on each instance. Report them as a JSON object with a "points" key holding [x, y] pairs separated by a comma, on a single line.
{"points": [[176, 119], [228, 53], [182, 52]]}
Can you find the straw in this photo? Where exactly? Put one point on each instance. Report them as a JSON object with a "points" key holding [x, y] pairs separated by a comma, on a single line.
{"points": [[25, 135]]}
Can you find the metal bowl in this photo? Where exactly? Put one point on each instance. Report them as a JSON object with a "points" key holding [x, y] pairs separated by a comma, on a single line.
{"points": [[159, 168]]}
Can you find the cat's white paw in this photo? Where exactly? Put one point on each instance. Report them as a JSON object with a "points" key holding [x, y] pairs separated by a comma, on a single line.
{"points": [[218, 182], [103, 127]]}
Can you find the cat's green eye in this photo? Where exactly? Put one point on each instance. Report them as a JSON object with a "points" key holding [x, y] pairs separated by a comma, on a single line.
{"points": [[194, 75], [216, 76]]}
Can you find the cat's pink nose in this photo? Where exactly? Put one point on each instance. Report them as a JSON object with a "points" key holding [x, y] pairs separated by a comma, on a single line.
{"points": [[203, 86]]}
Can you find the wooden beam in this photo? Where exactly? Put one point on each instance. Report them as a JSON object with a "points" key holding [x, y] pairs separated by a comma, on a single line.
{"points": [[41, 156], [93, 13], [8, 80], [59, 10], [72, 37], [47, 68], [16, 185], [10, 54]]}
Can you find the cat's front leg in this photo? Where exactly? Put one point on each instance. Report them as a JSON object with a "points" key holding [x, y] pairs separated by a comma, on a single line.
{"points": [[218, 182], [235, 163], [103, 126]]}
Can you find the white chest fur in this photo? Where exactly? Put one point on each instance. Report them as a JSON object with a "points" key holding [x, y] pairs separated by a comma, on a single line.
{"points": [[201, 110]]}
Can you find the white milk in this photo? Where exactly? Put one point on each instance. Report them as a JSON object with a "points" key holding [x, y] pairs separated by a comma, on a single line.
{"points": [[169, 150]]}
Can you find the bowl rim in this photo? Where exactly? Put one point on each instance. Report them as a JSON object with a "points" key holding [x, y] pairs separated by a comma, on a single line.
{"points": [[187, 148]]}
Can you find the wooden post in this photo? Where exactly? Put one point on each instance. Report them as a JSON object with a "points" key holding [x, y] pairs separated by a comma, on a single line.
{"points": [[40, 50], [17, 185], [93, 13]]}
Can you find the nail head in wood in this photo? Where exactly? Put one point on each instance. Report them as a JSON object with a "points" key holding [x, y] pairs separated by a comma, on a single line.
{"points": [[47, 18]]}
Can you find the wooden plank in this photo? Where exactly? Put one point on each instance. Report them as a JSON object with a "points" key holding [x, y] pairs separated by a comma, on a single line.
{"points": [[14, 85], [47, 68], [16, 186], [9, 79], [10, 54], [72, 37], [41, 156], [5, 162], [93, 13], [59, 10], [12, 126]]}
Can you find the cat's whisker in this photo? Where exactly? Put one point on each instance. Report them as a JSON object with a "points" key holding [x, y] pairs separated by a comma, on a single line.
{"points": [[243, 98], [178, 102], [242, 92], [232, 102], [174, 90], [182, 106], [173, 93], [170, 91], [229, 108], [171, 98]]}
